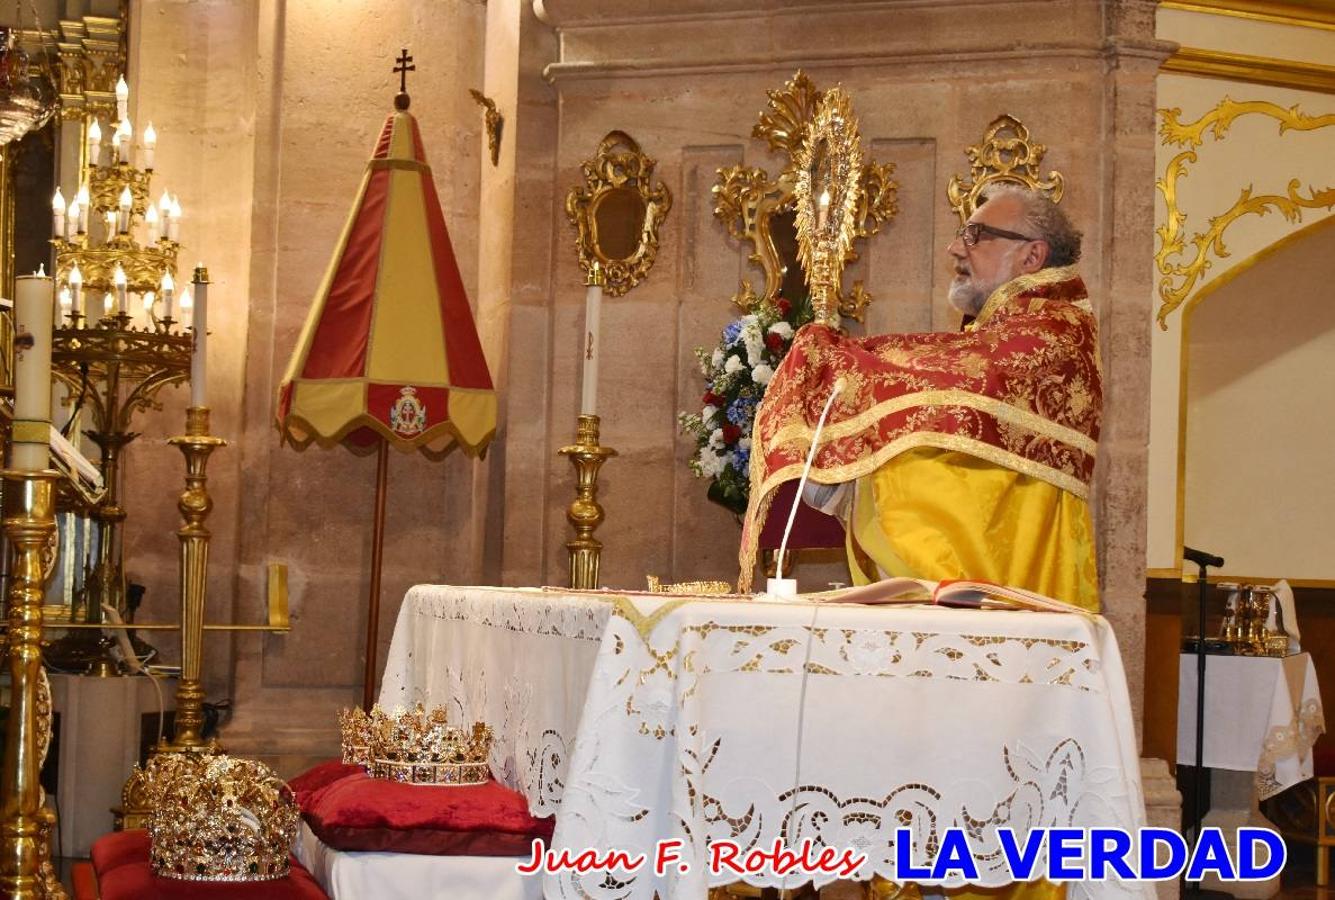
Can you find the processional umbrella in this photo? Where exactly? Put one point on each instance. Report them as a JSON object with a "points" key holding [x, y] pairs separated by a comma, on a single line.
{"points": [[390, 354]]}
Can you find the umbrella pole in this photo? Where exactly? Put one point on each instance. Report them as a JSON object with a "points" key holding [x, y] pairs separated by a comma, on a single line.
{"points": [[377, 553]]}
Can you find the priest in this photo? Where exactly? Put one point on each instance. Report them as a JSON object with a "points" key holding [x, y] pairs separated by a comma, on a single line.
{"points": [[955, 455]]}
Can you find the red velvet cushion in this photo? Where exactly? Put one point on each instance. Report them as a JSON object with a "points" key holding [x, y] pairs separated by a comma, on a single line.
{"points": [[309, 783], [363, 813], [136, 881], [118, 848], [84, 880]]}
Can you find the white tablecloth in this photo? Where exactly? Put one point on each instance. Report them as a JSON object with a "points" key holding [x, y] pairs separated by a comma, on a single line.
{"points": [[638, 718], [1262, 715]]}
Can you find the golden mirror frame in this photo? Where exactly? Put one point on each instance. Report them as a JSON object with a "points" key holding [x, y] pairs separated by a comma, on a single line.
{"points": [[617, 165], [1006, 155], [829, 172], [748, 198]]}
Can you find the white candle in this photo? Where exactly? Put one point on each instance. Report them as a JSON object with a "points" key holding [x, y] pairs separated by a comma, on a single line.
{"points": [[122, 98], [122, 293], [823, 212], [126, 201], [590, 349], [108, 304], [168, 290], [151, 219], [150, 146], [124, 136], [34, 306], [174, 223], [94, 143], [76, 288], [72, 218], [84, 204], [58, 214], [66, 301], [199, 361], [149, 300]]}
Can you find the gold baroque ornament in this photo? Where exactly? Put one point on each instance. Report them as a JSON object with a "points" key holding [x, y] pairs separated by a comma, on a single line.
{"points": [[617, 213], [1006, 154], [759, 209], [827, 190], [1179, 279]]}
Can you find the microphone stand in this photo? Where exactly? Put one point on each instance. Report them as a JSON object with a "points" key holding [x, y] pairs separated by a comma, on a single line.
{"points": [[1202, 560]]}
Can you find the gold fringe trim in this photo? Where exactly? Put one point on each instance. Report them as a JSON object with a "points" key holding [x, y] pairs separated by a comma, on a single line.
{"points": [[998, 409]]}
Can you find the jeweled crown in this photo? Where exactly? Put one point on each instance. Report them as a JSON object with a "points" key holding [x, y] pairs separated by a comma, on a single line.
{"points": [[219, 818], [355, 727], [419, 746]]}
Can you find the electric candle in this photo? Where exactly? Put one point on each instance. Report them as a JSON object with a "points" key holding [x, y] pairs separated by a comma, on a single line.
{"points": [[34, 307], [187, 308], [94, 143], [151, 219], [84, 204], [174, 223], [124, 204], [58, 214], [76, 288], [122, 293], [168, 289], [150, 146], [122, 98]]}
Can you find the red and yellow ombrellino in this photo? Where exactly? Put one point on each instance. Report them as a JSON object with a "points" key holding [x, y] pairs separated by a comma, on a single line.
{"points": [[390, 350]]}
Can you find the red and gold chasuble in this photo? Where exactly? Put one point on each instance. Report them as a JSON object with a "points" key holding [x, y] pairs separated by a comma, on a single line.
{"points": [[1019, 389]]}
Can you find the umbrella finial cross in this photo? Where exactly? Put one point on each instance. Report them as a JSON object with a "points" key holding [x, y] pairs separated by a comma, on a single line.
{"points": [[402, 69]]}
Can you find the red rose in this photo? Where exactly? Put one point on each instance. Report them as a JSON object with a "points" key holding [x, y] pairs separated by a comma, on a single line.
{"points": [[774, 342], [711, 399], [731, 433], [784, 307]]}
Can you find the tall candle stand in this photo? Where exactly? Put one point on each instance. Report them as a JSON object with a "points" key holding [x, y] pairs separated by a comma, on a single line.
{"points": [[585, 514], [25, 823], [196, 445]]}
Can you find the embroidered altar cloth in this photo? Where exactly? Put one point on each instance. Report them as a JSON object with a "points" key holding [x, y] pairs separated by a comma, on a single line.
{"points": [[1262, 715], [637, 718]]}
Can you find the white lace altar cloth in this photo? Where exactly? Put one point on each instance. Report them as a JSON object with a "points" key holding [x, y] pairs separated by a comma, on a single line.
{"points": [[1262, 715], [638, 718]]}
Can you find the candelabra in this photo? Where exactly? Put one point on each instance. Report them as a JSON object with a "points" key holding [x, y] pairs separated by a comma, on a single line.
{"points": [[25, 824], [585, 514], [113, 361]]}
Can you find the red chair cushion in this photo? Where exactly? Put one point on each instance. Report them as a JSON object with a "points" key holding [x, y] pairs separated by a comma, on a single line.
{"points": [[124, 873], [84, 881], [358, 812]]}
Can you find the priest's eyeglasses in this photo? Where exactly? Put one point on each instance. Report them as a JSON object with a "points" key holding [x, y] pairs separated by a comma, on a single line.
{"points": [[972, 232]]}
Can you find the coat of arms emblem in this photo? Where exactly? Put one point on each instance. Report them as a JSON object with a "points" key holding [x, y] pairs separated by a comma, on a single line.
{"points": [[407, 416]]}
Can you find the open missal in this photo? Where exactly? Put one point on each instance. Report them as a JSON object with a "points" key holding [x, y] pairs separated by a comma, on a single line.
{"points": [[963, 594]]}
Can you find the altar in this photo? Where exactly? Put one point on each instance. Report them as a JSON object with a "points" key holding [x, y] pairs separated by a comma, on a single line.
{"points": [[636, 718]]}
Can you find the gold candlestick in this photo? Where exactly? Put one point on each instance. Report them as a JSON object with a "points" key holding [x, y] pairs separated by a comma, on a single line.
{"points": [[25, 853], [584, 514], [195, 505]]}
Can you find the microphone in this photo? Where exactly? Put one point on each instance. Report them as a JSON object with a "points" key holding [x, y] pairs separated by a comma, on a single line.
{"points": [[787, 587], [1201, 558]]}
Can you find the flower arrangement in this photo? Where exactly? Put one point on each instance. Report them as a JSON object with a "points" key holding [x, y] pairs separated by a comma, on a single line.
{"points": [[736, 375]]}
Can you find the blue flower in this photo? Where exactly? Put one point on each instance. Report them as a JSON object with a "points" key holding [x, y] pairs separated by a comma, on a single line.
{"points": [[741, 460], [732, 331], [741, 411]]}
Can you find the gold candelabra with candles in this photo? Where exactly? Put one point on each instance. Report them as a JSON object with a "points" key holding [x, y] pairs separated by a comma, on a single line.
{"points": [[587, 455], [113, 353]]}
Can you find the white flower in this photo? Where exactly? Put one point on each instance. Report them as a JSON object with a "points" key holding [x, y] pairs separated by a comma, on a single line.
{"points": [[716, 439], [711, 464], [744, 444], [761, 374], [754, 339], [782, 329], [708, 413], [733, 365], [717, 359]]}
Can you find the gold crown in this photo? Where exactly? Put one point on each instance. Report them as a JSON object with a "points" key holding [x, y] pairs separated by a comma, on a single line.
{"points": [[419, 746], [355, 726], [219, 818]]}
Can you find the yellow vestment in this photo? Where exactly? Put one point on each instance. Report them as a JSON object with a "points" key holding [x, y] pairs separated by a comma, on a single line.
{"points": [[942, 514]]}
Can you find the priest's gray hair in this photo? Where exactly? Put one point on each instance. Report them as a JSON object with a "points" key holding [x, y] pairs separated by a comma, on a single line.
{"points": [[1044, 219]]}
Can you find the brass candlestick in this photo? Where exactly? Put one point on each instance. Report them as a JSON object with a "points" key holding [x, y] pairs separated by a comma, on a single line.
{"points": [[584, 514], [196, 445], [25, 824]]}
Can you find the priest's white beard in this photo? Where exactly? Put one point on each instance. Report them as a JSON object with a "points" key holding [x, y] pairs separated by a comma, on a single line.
{"points": [[968, 293]]}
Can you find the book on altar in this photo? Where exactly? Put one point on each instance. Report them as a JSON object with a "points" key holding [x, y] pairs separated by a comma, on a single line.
{"points": [[964, 594]]}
